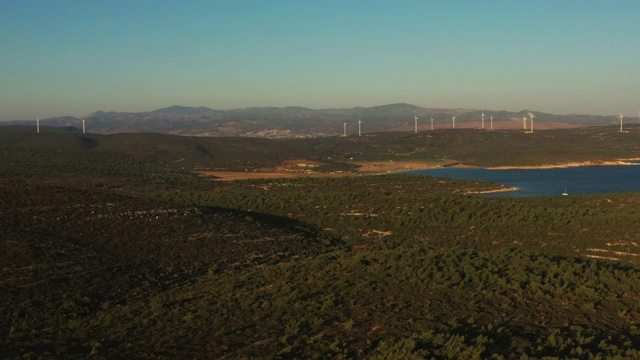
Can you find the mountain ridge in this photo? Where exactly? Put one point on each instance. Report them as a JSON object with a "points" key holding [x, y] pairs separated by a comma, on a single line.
{"points": [[297, 121]]}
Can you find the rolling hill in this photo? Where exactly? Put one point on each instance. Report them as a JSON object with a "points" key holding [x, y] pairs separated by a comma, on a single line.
{"points": [[290, 122], [469, 146]]}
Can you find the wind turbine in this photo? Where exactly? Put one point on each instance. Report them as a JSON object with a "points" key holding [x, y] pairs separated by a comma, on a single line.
{"points": [[359, 127], [345, 129], [621, 122], [37, 126], [532, 116], [454, 122], [491, 122], [84, 129], [432, 123], [482, 126], [416, 119], [524, 123]]}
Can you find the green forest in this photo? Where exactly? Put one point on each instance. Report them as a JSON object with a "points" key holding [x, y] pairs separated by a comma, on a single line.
{"points": [[113, 247]]}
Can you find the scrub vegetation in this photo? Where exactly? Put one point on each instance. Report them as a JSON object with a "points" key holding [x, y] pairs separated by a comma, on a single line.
{"points": [[113, 247]]}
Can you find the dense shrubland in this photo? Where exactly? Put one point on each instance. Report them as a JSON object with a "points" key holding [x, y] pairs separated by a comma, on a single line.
{"points": [[394, 209], [108, 257]]}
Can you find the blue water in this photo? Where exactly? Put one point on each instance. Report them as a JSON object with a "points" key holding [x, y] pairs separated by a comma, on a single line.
{"points": [[542, 182]]}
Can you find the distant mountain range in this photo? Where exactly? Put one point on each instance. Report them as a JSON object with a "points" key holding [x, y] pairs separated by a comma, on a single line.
{"points": [[288, 122]]}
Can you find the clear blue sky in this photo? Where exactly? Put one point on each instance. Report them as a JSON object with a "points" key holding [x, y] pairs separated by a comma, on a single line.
{"points": [[74, 57]]}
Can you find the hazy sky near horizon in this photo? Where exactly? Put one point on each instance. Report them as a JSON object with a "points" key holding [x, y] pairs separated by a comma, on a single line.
{"points": [[74, 57]]}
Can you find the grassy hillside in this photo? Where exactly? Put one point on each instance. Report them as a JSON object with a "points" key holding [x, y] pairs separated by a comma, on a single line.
{"points": [[112, 248]]}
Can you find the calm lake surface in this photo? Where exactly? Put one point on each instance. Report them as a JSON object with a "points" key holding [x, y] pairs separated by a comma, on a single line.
{"points": [[551, 182]]}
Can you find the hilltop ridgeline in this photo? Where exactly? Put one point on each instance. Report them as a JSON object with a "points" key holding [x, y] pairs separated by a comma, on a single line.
{"points": [[288, 122]]}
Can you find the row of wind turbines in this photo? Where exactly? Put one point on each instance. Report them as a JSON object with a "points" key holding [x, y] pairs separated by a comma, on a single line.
{"points": [[453, 123]]}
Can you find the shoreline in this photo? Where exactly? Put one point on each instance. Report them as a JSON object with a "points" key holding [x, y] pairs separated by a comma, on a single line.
{"points": [[618, 162], [493, 191], [398, 167]]}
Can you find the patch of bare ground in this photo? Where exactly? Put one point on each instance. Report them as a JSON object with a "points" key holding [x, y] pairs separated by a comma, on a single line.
{"points": [[298, 166], [377, 233], [358, 214], [623, 243], [619, 253], [492, 191], [601, 257], [376, 328], [246, 175], [306, 168], [394, 166]]}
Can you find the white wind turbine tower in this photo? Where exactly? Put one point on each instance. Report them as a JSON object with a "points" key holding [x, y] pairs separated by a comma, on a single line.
{"points": [[621, 122], [531, 116], [359, 127], [345, 129], [416, 119], [37, 126], [524, 123], [432, 123], [492, 122], [482, 126], [454, 122], [84, 129]]}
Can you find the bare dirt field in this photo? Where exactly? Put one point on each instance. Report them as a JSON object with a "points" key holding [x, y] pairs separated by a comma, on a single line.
{"points": [[395, 166], [288, 170]]}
